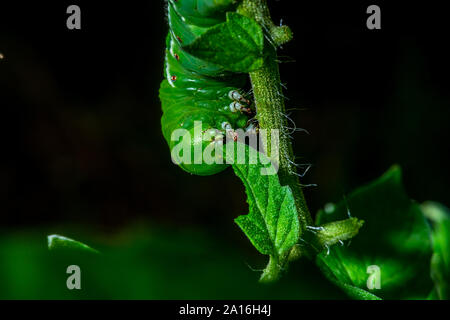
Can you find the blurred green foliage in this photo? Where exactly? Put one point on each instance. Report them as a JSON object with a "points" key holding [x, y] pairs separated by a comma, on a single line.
{"points": [[395, 239], [439, 216], [147, 263]]}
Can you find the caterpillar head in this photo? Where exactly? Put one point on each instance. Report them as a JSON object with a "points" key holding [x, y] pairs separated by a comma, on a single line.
{"points": [[200, 152]]}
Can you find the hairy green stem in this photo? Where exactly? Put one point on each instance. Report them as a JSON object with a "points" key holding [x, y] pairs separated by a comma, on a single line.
{"points": [[269, 102], [270, 107], [272, 271]]}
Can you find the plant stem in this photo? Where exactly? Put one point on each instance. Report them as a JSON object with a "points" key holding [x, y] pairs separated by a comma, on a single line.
{"points": [[272, 272], [271, 112], [269, 102]]}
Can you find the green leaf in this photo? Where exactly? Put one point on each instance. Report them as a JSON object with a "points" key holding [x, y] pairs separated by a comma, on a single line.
{"points": [[336, 276], [272, 223], [440, 262], [337, 231], [394, 240], [57, 242], [236, 45]]}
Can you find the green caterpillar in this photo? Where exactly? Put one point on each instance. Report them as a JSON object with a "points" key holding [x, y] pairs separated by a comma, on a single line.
{"points": [[195, 90]]}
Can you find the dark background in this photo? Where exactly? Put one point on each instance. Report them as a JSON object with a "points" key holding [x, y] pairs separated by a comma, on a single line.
{"points": [[82, 144]]}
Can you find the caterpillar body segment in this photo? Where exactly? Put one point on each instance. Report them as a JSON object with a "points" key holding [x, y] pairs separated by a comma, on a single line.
{"points": [[196, 91]]}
